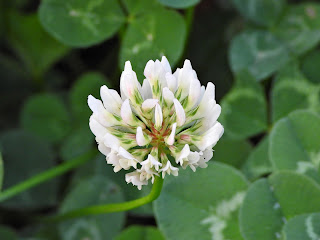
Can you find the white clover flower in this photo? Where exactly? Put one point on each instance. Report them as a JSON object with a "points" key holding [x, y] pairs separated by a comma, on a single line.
{"points": [[170, 120]]}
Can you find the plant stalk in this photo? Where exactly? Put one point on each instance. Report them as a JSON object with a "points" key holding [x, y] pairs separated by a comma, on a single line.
{"points": [[113, 207], [46, 175]]}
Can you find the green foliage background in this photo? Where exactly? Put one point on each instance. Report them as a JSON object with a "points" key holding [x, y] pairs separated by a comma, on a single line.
{"points": [[263, 182]]}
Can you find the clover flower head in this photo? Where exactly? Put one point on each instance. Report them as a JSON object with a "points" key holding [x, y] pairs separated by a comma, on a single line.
{"points": [[169, 121]]}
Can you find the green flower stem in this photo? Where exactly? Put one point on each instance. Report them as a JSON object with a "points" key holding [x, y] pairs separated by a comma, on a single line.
{"points": [[44, 176], [113, 207]]}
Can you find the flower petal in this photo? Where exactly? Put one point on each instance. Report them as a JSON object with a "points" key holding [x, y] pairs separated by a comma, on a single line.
{"points": [[168, 96], [166, 65], [95, 105], [146, 89], [96, 128], [184, 77], [194, 93], [149, 69], [171, 82], [151, 162], [209, 94], [193, 157], [206, 156], [180, 114], [104, 117], [125, 154], [210, 138], [126, 112], [209, 119], [142, 138], [134, 178], [158, 118], [170, 140], [113, 159], [187, 65], [155, 73], [148, 104], [111, 99], [129, 85], [169, 169], [183, 154], [111, 141], [128, 117], [103, 149]]}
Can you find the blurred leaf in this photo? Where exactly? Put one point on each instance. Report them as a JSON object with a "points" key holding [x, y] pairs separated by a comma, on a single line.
{"points": [[14, 88], [138, 7], [92, 191], [260, 216], [7, 233], [294, 202], [2, 22], [270, 203], [240, 150], [37, 48], [81, 23], [211, 67], [139, 233], [306, 227], [295, 143], [179, 3], [147, 37], [32, 238], [310, 66], [290, 70], [299, 28], [244, 110], [258, 162], [24, 156], [96, 167], [46, 116], [202, 204], [47, 232], [77, 143], [81, 139], [1, 171], [56, 80], [19, 3], [12, 75], [262, 12], [87, 84], [258, 52], [293, 92]]}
